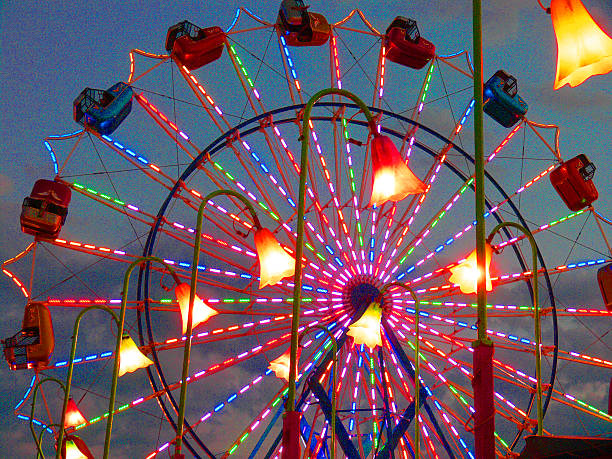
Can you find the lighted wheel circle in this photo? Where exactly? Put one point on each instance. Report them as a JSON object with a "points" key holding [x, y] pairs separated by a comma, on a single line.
{"points": [[361, 288]]}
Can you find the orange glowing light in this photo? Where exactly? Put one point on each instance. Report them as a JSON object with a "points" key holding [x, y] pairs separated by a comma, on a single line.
{"points": [[583, 48], [74, 417], [466, 274], [274, 262], [367, 329], [201, 311], [392, 180], [280, 365], [130, 357]]}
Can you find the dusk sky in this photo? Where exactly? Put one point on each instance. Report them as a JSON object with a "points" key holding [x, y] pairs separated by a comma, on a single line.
{"points": [[51, 51]]}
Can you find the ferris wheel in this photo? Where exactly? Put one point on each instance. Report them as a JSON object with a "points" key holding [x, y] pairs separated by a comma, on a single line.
{"points": [[225, 110]]}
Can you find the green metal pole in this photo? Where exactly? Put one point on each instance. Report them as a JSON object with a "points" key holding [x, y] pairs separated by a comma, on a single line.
{"points": [[299, 247], [192, 292], [75, 338], [417, 360], [34, 393], [536, 313], [335, 382], [113, 391]]}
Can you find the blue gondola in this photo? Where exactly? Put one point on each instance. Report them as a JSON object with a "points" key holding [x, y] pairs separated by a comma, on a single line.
{"points": [[502, 102], [103, 111]]}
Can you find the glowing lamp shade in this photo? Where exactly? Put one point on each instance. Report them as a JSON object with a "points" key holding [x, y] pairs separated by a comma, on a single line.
{"points": [[392, 180], [130, 357], [74, 417], [367, 329], [75, 448], [280, 365], [201, 311], [583, 48], [274, 262], [466, 274]]}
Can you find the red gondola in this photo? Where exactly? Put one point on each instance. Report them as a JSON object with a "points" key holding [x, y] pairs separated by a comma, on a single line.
{"points": [[194, 47], [405, 46], [573, 181], [44, 212], [299, 27], [33, 345]]}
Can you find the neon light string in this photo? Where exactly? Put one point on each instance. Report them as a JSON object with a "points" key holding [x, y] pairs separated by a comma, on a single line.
{"points": [[420, 105], [381, 81], [13, 276], [36, 422], [204, 97], [289, 61], [168, 126], [335, 60], [244, 72], [133, 52]]}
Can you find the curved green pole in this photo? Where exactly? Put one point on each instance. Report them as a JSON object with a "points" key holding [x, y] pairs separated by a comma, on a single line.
{"points": [[299, 246], [75, 338], [113, 392], [335, 382], [192, 291], [417, 359], [39, 440], [40, 383], [534, 280]]}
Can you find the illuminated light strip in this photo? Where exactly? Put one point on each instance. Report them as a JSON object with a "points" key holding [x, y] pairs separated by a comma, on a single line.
{"points": [[290, 63], [266, 171], [204, 93], [137, 158], [87, 190], [381, 83], [35, 422], [244, 71], [144, 101], [27, 392], [540, 228], [58, 137], [14, 277], [145, 54], [504, 142], [53, 157], [75, 245], [336, 61], [420, 106]]}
